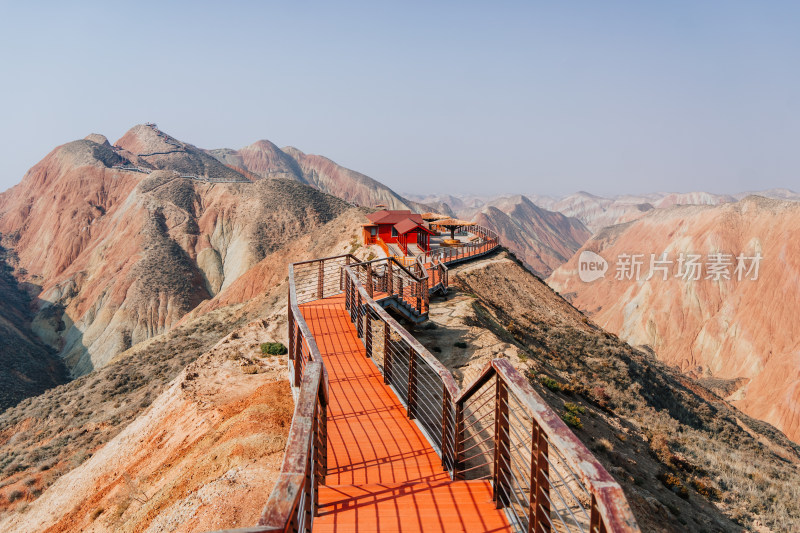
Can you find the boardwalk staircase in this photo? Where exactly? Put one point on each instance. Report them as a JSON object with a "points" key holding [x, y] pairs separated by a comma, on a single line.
{"points": [[383, 439]]}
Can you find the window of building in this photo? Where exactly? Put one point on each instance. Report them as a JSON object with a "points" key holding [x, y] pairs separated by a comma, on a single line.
{"points": [[394, 232]]}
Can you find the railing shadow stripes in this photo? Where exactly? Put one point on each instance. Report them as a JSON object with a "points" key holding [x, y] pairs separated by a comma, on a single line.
{"points": [[498, 428]]}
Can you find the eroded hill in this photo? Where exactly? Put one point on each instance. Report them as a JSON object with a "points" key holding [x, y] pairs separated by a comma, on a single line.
{"points": [[543, 239], [738, 333], [115, 257]]}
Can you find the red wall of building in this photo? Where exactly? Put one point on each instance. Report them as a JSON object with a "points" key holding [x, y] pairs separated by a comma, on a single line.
{"points": [[385, 233]]}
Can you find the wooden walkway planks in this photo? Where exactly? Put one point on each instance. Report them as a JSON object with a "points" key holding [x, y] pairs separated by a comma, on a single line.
{"points": [[383, 474]]}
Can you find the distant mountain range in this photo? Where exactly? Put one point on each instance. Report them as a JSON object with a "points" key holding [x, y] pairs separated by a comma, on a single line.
{"points": [[597, 212]]}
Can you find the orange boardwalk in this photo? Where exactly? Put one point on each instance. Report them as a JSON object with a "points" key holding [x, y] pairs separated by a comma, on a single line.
{"points": [[383, 474]]}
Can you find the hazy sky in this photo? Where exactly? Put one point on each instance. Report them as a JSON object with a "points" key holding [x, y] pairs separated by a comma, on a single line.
{"points": [[540, 97]]}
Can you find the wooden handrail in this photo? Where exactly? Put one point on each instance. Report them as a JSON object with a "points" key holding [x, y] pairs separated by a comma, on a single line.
{"points": [[383, 245]]}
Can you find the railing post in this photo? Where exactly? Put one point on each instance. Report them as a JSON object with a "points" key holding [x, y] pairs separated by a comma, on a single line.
{"points": [[596, 524], [501, 444], [352, 289], [342, 274], [426, 294], [387, 356], [308, 503], [346, 280], [323, 435], [445, 447], [290, 320], [412, 384], [419, 296], [321, 279], [540, 483], [368, 332], [295, 351], [298, 363], [400, 286], [370, 289], [458, 452], [389, 276], [359, 323]]}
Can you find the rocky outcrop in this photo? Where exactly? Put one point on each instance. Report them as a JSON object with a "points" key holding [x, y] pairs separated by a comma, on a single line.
{"points": [[741, 331], [542, 239], [597, 212]]}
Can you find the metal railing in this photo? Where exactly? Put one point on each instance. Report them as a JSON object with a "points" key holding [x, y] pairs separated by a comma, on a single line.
{"points": [[497, 429], [540, 471], [486, 241], [319, 278], [387, 277], [424, 386], [294, 500]]}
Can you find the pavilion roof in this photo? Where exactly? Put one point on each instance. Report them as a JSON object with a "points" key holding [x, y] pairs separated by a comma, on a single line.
{"points": [[433, 216], [406, 225], [386, 216], [451, 222]]}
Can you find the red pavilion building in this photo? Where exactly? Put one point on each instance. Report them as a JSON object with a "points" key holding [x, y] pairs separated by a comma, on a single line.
{"points": [[401, 227]]}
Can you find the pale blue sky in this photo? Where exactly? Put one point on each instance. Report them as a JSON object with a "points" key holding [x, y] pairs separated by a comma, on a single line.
{"points": [[546, 97]]}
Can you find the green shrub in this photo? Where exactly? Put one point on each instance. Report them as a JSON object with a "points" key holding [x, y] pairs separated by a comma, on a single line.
{"points": [[550, 383], [574, 408], [273, 348], [571, 419]]}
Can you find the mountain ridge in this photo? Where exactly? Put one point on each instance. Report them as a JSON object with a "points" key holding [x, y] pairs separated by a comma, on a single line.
{"points": [[263, 158]]}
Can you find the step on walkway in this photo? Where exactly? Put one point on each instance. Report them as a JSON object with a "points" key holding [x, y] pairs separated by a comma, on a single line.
{"points": [[383, 474]]}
